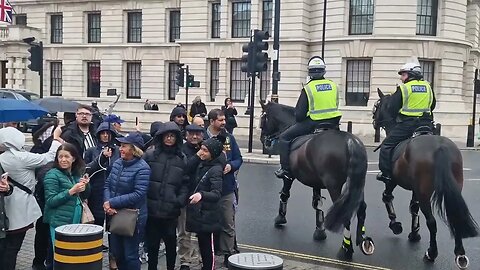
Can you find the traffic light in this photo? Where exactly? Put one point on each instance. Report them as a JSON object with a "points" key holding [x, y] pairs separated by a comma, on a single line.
{"points": [[191, 81], [247, 58], [259, 46], [180, 76], [35, 58]]}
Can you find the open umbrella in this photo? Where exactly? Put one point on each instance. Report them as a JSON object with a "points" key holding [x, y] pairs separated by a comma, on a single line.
{"points": [[13, 110], [56, 104]]}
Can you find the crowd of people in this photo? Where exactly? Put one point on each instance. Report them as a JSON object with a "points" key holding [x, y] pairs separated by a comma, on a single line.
{"points": [[180, 179]]}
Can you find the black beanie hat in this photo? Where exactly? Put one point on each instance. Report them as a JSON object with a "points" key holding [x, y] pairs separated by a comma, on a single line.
{"points": [[215, 145]]}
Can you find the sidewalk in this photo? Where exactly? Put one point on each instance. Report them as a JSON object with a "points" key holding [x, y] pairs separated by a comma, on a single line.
{"points": [[25, 258]]}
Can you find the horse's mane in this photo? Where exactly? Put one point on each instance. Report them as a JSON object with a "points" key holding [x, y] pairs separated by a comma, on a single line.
{"points": [[282, 107]]}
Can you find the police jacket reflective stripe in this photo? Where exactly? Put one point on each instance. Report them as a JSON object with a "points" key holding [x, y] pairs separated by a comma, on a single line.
{"points": [[417, 98], [322, 100]]}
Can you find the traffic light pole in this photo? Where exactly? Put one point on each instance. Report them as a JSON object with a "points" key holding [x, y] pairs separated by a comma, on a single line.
{"points": [[186, 90], [40, 72], [276, 47], [252, 113]]}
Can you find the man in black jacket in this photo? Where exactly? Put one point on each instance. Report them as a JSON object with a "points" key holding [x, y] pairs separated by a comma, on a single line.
{"points": [[187, 252], [81, 132], [167, 193]]}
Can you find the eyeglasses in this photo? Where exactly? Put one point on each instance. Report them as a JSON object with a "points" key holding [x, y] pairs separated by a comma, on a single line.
{"points": [[84, 114]]}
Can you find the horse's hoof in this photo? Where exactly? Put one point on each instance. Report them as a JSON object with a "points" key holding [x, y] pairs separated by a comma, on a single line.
{"points": [[428, 258], [367, 246], [347, 252], [396, 227], [414, 237], [280, 220], [319, 235], [462, 261]]}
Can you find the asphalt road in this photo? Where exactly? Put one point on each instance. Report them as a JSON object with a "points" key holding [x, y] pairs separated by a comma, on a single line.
{"points": [[259, 205]]}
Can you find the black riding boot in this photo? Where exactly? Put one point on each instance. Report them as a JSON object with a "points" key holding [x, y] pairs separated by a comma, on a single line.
{"points": [[284, 149]]}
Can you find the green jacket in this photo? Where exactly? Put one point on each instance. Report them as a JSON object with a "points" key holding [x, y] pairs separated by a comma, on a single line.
{"points": [[59, 205]]}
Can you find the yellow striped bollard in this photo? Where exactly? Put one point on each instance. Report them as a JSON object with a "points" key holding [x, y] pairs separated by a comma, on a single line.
{"points": [[78, 247]]}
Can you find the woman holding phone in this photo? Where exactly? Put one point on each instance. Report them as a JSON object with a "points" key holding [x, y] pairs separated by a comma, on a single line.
{"points": [[65, 188]]}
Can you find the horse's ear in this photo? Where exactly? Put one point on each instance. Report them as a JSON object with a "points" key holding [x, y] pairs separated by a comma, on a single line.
{"points": [[380, 93], [263, 104]]}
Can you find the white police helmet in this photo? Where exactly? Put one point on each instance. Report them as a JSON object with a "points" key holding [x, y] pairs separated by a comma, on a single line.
{"points": [[316, 67]]}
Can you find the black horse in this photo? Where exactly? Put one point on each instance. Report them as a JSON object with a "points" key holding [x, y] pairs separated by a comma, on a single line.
{"points": [[431, 167], [329, 159]]}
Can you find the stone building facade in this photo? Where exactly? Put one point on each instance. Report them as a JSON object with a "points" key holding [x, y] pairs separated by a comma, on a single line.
{"points": [[134, 46]]}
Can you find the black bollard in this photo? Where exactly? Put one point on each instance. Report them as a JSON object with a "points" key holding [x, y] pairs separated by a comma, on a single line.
{"points": [[470, 135], [349, 126], [377, 135], [438, 129]]}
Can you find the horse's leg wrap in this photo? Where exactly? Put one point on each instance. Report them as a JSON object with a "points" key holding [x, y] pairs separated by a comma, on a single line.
{"points": [[282, 209], [414, 208], [361, 216], [347, 240], [285, 193], [319, 220], [388, 200]]}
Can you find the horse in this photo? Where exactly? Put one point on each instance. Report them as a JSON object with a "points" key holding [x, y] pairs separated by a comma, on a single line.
{"points": [[430, 166], [328, 159]]}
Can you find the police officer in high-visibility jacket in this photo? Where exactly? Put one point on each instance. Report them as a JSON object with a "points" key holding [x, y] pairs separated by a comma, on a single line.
{"points": [[318, 103], [412, 106]]}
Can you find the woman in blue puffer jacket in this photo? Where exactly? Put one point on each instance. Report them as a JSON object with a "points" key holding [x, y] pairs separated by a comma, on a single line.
{"points": [[126, 188]]}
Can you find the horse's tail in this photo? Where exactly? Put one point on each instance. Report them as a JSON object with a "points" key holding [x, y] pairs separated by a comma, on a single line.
{"points": [[448, 200], [344, 207]]}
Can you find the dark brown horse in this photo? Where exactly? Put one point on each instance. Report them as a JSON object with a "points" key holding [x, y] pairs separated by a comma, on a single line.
{"points": [[431, 167], [332, 160]]}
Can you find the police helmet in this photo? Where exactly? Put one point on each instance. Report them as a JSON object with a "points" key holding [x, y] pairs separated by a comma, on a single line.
{"points": [[316, 67], [414, 70]]}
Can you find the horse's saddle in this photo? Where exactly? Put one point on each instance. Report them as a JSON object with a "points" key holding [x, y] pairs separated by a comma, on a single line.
{"points": [[400, 148], [299, 141]]}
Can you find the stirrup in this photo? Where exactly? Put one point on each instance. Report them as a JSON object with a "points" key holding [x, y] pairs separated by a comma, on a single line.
{"points": [[383, 178]]}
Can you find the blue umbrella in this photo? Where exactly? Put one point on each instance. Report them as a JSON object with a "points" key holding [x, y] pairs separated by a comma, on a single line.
{"points": [[12, 110]]}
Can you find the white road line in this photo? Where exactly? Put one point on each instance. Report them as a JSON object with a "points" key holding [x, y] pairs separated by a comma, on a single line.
{"points": [[472, 179], [377, 171], [372, 162]]}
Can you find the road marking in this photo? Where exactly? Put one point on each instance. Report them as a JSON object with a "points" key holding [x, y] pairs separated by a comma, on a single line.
{"points": [[472, 179], [372, 162], [313, 258], [377, 171]]}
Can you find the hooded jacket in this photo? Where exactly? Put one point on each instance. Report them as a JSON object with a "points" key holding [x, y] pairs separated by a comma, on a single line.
{"points": [[22, 209], [180, 111], [98, 167], [168, 186]]}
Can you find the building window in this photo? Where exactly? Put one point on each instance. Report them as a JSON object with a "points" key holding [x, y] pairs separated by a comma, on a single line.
{"points": [[134, 80], [239, 82], [216, 20], [241, 19], [214, 78], [427, 17], [134, 31], [172, 86], [174, 25], [56, 28], [361, 17], [20, 19], [267, 16], [428, 69], [55, 78], [93, 79], [94, 28], [358, 82], [265, 82]]}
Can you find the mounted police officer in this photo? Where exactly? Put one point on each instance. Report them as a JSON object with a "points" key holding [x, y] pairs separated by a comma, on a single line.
{"points": [[318, 103], [412, 105]]}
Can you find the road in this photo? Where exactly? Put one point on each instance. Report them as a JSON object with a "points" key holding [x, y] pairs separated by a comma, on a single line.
{"points": [[259, 205]]}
